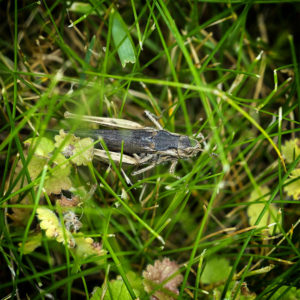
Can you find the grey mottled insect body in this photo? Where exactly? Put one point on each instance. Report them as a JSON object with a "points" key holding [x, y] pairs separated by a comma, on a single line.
{"points": [[140, 145]]}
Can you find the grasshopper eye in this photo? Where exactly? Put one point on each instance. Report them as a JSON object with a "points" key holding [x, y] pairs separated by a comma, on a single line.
{"points": [[193, 142]]}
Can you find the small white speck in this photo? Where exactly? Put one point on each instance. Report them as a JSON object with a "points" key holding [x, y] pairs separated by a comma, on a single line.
{"points": [[258, 57]]}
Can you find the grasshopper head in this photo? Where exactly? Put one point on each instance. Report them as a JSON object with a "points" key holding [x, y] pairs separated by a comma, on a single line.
{"points": [[188, 147]]}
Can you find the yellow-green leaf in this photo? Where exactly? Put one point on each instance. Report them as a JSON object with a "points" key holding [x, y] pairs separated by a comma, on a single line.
{"points": [[59, 179], [291, 149], [86, 247], [56, 180], [36, 165], [216, 269], [293, 188], [81, 151], [53, 229], [44, 147], [33, 241], [270, 216], [119, 290]]}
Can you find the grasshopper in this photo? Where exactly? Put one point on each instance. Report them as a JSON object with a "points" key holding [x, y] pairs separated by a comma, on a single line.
{"points": [[141, 145]]}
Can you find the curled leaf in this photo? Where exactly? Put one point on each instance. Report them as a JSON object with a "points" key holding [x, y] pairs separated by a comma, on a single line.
{"points": [[53, 229]]}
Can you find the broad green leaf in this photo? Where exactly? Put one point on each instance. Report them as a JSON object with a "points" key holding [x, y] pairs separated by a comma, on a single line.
{"points": [[56, 180], [136, 282], [44, 147], [59, 180], [122, 39], [36, 165], [216, 269], [118, 292], [118, 289]]}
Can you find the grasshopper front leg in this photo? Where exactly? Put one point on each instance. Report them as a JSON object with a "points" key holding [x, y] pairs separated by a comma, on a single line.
{"points": [[143, 170], [173, 166]]}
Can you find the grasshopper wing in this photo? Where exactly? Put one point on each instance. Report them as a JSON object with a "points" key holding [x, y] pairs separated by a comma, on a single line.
{"points": [[109, 122]]}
